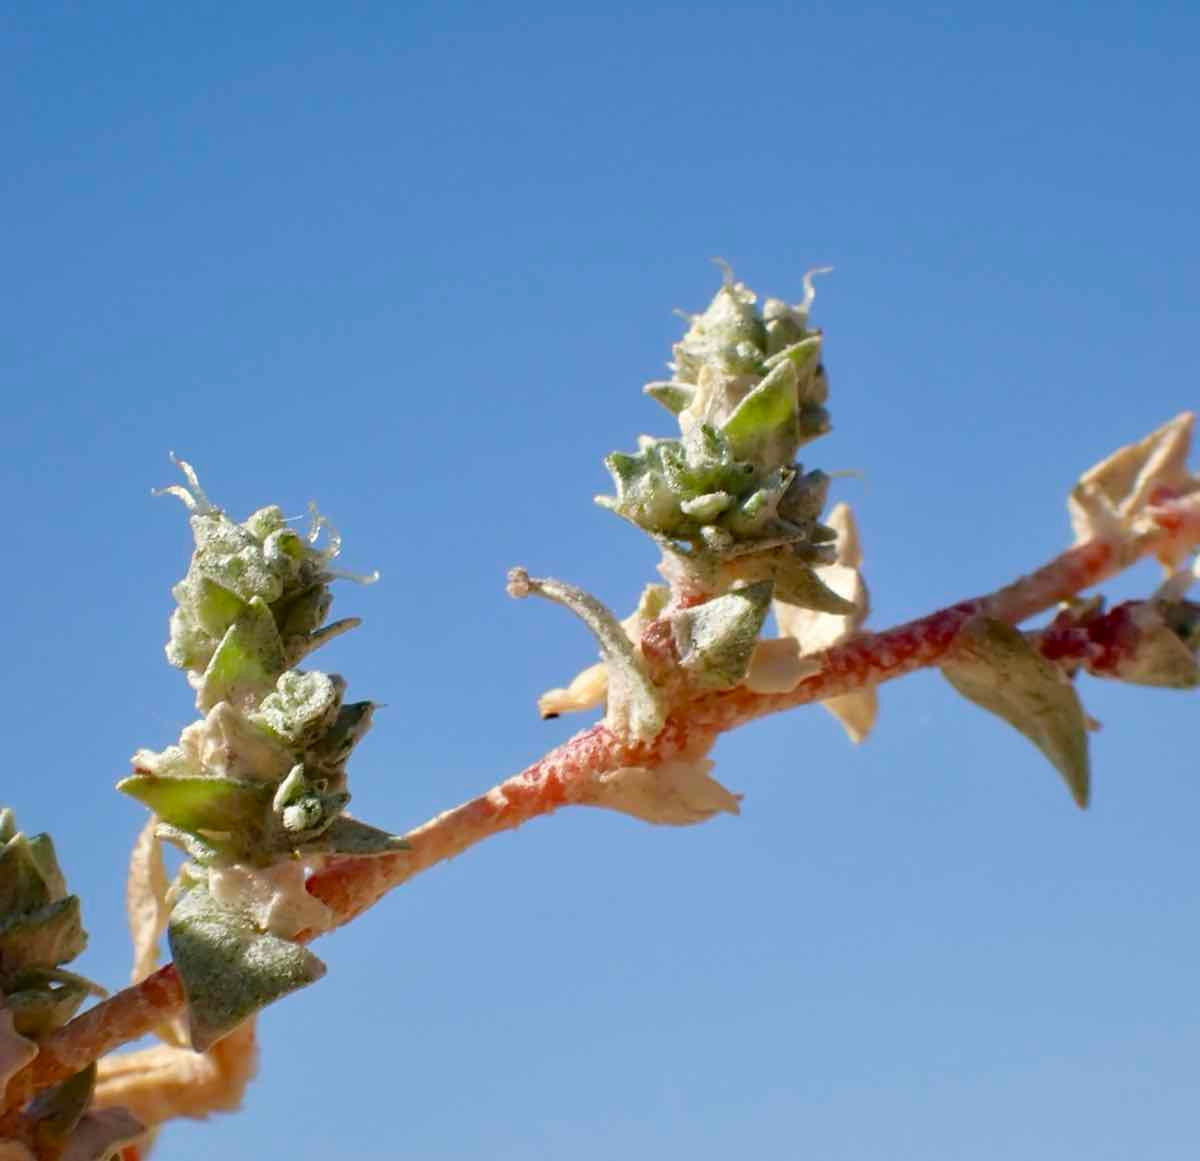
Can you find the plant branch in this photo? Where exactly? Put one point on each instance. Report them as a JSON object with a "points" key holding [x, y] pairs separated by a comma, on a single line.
{"points": [[568, 774]]}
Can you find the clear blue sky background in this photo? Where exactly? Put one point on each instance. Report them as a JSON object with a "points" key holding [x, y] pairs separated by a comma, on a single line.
{"points": [[415, 261]]}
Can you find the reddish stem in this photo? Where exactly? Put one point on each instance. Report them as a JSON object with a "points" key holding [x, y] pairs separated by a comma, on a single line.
{"points": [[565, 776]]}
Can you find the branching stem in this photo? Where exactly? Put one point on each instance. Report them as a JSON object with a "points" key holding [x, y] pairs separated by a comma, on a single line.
{"points": [[567, 775]]}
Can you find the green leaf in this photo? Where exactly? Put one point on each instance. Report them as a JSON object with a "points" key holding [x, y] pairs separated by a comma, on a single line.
{"points": [[675, 397], [796, 583], [217, 804], [802, 355], [333, 747], [248, 659], [716, 639], [998, 669], [764, 427], [348, 836], [229, 969], [214, 607], [43, 938]]}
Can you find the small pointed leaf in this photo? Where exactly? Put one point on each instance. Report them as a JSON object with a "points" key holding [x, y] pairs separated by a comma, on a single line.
{"points": [[675, 397], [797, 583], [998, 669], [348, 836], [219, 804], [763, 427], [248, 659]]}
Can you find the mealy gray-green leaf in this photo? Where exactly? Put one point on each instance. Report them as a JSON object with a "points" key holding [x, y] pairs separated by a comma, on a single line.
{"points": [[994, 666], [716, 639], [348, 836], [229, 969]]}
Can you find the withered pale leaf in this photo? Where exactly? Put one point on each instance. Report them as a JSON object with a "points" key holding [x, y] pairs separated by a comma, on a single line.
{"points": [[677, 793], [777, 667], [161, 1083], [994, 666], [275, 897], [1111, 496], [856, 711], [146, 900], [814, 631]]}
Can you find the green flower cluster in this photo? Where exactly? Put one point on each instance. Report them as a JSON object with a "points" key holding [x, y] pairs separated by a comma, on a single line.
{"points": [[726, 500], [262, 776], [255, 791], [40, 930]]}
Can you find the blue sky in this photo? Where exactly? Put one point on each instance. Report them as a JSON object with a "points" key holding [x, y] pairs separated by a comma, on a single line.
{"points": [[415, 261]]}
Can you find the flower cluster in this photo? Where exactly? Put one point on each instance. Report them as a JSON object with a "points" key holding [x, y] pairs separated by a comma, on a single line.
{"points": [[726, 500], [40, 930], [255, 791]]}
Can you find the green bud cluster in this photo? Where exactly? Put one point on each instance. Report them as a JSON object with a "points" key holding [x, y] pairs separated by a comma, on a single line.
{"points": [[40, 930], [254, 599], [262, 776], [254, 791], [726, 499]]}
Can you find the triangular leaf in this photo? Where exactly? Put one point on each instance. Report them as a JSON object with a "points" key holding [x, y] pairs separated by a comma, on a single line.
{"points": [[675, 397], [218, 804], [998, 669], [348, 836], [230, 970], [797, 583], [763, 427], [248, 659]]}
